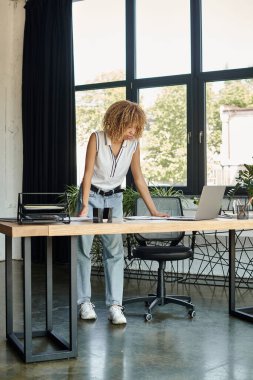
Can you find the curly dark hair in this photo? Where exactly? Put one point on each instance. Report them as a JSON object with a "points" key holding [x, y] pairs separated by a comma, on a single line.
{"points": [[120, 116]]}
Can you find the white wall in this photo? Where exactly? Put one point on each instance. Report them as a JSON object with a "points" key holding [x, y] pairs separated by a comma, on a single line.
{"points": [[12, 17]]}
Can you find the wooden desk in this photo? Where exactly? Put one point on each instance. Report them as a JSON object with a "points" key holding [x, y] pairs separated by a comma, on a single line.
{"points": [[69, 349]]}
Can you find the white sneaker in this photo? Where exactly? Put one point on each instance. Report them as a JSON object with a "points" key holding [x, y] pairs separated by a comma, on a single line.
{"points": [[87, 311], [116, 315]]}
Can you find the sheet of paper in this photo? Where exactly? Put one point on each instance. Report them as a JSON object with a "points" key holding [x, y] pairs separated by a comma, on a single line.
{"points": [[146, 217], [80, 218]]}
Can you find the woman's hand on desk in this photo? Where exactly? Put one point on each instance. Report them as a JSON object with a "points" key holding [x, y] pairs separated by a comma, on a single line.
{"points": [[161, 214], [83, 211]]}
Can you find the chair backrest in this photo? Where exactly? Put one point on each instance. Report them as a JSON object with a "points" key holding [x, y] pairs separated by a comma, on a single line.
{"points": [[170, 205]]}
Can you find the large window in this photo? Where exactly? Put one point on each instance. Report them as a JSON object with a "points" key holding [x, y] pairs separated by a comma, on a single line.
{"points": [[229, 121], [189, 63], [164, 144], [227, 34], [99, 40], [162, 38]]}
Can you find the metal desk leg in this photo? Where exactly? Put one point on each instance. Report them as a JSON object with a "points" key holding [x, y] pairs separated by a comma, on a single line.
{"points": [[49, 286], [23, 342], [231, 271], [70, 346], [27, 296], [68, 349], [73, 297], [245, 313], [8, 286], [24, 348]]}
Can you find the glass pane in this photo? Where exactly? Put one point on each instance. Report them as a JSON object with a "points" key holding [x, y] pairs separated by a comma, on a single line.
{"points": [[162, 37], [99, 40], [164, 145], [229, 127], [90, 109], [227, 34]]}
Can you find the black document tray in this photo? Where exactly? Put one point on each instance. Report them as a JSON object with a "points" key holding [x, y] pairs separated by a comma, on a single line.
{"points": [[43, 208]]}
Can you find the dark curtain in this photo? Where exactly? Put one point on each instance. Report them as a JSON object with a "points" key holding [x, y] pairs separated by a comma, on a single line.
{"points": [[48, 98]]}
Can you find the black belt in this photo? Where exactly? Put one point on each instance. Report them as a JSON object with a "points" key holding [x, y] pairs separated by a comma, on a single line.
{"points": [[106, 193]]}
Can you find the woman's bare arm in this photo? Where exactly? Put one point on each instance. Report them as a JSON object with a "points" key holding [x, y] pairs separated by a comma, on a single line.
{"points": [[88, 173], [141, 184]]}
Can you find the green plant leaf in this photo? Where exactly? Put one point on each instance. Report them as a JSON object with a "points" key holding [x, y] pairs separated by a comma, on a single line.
{"points": [[72, 195], [244, 181]]}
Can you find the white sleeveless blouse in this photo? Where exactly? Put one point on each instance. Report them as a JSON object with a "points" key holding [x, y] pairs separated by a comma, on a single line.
{"points": [[109, 170]]}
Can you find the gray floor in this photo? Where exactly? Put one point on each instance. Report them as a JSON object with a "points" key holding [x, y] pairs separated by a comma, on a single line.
{"points": [[211, 346]]}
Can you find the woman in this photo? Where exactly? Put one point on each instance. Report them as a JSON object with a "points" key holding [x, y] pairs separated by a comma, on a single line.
{"points": [[109, 155]]}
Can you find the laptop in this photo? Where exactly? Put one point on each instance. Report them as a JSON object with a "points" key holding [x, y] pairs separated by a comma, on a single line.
{"points": [[209, 204]]}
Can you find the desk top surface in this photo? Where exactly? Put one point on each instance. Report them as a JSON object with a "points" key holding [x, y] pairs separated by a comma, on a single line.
{"points": [[122, 227]]}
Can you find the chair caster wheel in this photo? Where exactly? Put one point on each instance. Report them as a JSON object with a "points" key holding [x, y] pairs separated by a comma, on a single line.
{"points": [[148, 317], [191, 313]]}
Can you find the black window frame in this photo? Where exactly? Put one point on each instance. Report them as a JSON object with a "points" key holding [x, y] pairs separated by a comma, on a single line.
{"points": [[195, 82]]}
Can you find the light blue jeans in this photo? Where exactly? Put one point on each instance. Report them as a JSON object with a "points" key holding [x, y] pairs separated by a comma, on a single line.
{"points": [[113, 254]]}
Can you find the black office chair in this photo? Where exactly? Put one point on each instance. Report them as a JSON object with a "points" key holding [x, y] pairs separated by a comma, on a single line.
{"points": [[161, 247]]}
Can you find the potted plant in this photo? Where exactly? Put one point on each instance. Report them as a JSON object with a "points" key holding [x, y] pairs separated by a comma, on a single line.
{"points": [[244, 181], [72, 195]]}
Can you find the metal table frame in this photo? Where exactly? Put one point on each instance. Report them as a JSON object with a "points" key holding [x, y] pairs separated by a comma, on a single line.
{"points": [[25, 346], [74, 229], [245, 313]]}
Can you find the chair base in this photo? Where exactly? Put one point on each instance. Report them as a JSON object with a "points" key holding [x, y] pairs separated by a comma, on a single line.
{"points": [[160, 298], [153, 300]]}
